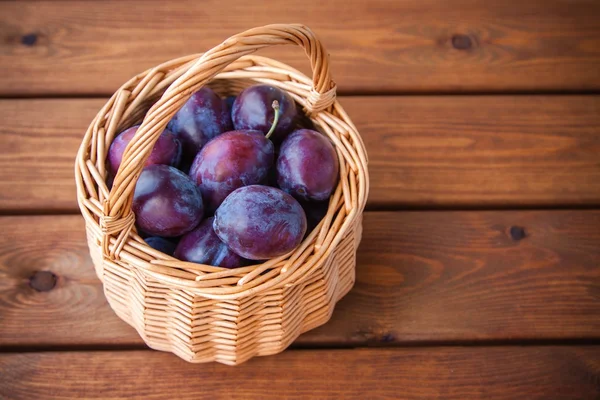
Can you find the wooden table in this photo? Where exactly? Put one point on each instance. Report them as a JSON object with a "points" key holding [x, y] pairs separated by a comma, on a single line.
{"points": [[479, 271]]}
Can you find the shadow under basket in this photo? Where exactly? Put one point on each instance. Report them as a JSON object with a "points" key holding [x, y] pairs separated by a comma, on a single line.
{"points": [[204, 313]]}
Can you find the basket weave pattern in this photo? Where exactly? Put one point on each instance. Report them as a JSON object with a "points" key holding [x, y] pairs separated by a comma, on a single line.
{"points": [[203, 313]]}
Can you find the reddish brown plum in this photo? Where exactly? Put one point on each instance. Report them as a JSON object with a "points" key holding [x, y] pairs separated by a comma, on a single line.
{"points": [[166, 202], [229, 161], [253, 109], [204, 116], [307, 166], [203, 246], [167, 149], [161, 244], [260, 222]]}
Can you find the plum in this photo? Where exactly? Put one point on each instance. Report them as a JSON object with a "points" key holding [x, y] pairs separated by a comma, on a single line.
{"points": [[271, 179], [167, 149], [229, 100], [253, 109], [307, 166], [303, 122], [229, 161], [161, 244], [315, 211], [203, 246], [204, 116], [260, 222], [166, 202]]}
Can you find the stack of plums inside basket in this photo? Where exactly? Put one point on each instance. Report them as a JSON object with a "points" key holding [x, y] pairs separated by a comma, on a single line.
{"points": [[232, 182]]}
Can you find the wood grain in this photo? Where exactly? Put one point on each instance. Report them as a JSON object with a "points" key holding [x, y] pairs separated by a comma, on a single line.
{"points": [[40, 139], [422, 277], [86, 47], [481, 151], [425, 151], [74, 311], [433, 373]]}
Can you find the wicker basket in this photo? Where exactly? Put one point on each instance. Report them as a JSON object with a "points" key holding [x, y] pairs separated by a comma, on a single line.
{"points": [[203, 313]]}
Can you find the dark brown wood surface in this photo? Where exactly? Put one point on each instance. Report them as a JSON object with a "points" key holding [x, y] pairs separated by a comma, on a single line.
{"points": [[425, 151], [88, 47], [421, 277], [464, 105], [412, 373]]}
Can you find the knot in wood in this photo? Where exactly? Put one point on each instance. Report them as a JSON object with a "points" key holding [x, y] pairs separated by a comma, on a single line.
{"points": [[42, 281], [461, 42], [29, 40], [517, 233]]}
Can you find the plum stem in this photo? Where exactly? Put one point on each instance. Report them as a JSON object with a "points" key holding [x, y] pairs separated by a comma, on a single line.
{"points": [[275, 106]]}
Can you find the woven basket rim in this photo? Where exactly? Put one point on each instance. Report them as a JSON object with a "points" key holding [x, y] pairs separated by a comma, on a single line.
{"points": [[172, 83]]}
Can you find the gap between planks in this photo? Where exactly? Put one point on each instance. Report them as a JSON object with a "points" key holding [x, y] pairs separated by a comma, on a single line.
{"points": [[324, 346]]}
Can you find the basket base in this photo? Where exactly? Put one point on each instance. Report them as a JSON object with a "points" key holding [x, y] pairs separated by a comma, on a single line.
{"points": [[200, 329]]}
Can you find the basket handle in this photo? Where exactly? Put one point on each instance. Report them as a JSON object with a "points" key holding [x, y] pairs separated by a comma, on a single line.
{"points": [[118, 216]]}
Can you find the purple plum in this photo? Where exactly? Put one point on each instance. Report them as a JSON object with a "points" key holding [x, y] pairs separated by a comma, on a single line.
{"points": [[204, 116], [260, 222], [303, 122], [307, 166], [315, 211], [161, 244], [229, 161], [203, 246], [271, 179], [229, 100], [166, 202], [253, 109], [167, 149]]}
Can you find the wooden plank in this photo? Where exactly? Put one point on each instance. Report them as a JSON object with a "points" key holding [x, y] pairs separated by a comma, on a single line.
{"points": [[85, 47], [481, 151], [75, 308], [413, 373], [425, 151], [421, 277], [40, 139]]}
